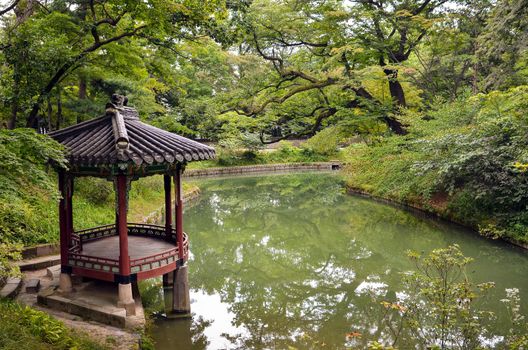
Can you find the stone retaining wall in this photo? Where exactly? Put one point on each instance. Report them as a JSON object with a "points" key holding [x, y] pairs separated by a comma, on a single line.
{"points": [[40, 250], [262, 168]]}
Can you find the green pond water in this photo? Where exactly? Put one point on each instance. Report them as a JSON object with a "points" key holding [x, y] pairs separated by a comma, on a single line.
{"points": [[292, 262]]}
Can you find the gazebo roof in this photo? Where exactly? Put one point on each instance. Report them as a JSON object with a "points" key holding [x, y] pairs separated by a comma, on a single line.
{"points": [[120, 138]]}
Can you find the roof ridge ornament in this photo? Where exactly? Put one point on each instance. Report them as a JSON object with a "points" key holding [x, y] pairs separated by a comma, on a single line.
{"points": [[118, 125], [119, 100]]}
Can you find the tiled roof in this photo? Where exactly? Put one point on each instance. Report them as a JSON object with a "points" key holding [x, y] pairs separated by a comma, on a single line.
{"points": [[120, 137]]}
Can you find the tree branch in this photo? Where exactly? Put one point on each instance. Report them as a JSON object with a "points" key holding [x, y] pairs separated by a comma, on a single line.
{"points": [[9, 8]]}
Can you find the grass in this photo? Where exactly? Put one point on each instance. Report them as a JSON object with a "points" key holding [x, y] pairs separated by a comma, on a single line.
{"points": [[24, 328]]}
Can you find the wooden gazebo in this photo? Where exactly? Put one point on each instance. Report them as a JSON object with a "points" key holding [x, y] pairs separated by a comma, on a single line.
{"points": [[121, 148]]}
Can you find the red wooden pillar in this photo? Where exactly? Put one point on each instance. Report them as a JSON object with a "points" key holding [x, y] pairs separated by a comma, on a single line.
{"points": [[126, 299], [122, 229], [168, 206], [69, 205], [65, 284], [63, 221], [179, 211]]}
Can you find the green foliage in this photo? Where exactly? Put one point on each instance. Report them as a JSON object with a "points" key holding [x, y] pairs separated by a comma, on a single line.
{"points": [[9, 254], [462, 160], [439, 308], [325, 142], [22, 327], [27, 186], [231, 152], [441, 305]]}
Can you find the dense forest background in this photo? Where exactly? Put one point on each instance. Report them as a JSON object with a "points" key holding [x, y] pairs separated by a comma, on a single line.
{"points": [[427, 99]]}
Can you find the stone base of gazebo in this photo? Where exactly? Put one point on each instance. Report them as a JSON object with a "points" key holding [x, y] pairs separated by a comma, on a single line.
{"points": [[94, 301]]}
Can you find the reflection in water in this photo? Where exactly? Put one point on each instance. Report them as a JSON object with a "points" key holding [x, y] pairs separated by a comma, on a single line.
{"points": [[291, 261]]}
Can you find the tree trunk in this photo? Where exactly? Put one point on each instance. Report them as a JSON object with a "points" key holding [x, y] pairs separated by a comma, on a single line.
{"points": [[82, 95], [50, 113], [395, 88], [82, 88], [394, 124], [24, 10], [59, 109]]}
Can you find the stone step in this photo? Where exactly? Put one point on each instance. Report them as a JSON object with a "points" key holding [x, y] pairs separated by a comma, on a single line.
{"points": [[11, 288], [112, 316], [38, 263], [40, 250], [53, 272], [32, 285]]}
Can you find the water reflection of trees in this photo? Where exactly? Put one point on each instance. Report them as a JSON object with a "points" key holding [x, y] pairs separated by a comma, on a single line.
{"points": [[297, 261], [278, 253]]}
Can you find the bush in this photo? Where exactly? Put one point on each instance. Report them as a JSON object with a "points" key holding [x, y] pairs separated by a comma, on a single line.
{"points": [[325, 142], [9, 253], [28, 187], [439, 308], [465, 161], [97, 191]]}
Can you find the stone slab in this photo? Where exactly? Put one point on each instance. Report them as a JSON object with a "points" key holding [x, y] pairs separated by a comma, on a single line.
{"points": [[262, 168], [38, 263], [93, 301], [33, 285], [11, 288]]}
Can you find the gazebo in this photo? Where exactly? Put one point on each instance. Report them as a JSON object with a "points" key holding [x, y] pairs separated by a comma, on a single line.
{"points": [[120, 148]]}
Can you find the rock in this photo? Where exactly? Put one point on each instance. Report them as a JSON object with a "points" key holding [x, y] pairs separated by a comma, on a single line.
{"points": [[33, 285]]}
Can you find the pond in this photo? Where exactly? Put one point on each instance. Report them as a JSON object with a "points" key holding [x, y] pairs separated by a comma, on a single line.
{"points": [[292, 262]]}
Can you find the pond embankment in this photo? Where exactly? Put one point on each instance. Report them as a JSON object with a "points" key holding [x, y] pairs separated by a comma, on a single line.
{"points": [[427, 208], [262, 168]]}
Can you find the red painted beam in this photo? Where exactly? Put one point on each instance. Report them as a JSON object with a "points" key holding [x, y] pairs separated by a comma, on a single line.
{"points": [[69, 208], [156, 272], [98, 275]]}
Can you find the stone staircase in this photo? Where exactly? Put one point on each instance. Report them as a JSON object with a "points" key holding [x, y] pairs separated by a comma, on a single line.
{"points": [[37, 258]]}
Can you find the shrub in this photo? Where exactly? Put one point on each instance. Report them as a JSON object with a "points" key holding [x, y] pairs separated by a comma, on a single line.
{"points": [[471, 151], [28, 189], [439, 308], [95, 190], [9, 253], [325, 142]]}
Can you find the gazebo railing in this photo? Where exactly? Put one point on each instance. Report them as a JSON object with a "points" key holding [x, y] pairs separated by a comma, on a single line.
{"points": [[78, 238], [160, 259], [93, 263]]}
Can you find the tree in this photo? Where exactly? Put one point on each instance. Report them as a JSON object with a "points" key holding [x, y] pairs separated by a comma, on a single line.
{"points": [[502, 50], [71, 34], [322, 56]]}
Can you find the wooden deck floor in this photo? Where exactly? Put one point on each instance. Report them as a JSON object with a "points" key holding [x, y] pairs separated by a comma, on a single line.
{"points": [[138, 247]]}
